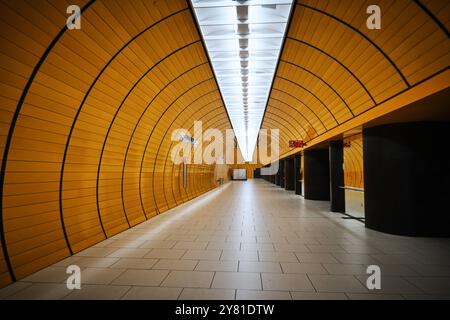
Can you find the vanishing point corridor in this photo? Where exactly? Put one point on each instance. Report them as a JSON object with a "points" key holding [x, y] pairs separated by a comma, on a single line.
{"points": [[248, 240]]}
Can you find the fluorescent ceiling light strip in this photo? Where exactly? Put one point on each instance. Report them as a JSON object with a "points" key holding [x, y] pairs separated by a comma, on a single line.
{"points": [[244, 39]]}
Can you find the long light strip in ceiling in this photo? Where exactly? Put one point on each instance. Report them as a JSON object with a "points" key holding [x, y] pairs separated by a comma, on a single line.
{"points": [[244, 39]]}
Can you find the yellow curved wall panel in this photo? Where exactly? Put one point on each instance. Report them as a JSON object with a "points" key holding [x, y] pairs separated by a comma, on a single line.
{"points": [[333, 69], [86, 122]]}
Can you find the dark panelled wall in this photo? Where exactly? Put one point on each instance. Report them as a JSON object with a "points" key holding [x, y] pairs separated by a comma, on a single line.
{"points": [[407, 178], [337, 176], [317, 175], [289, 171]]}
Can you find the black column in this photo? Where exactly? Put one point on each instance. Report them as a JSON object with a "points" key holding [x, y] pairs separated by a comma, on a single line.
{"points": [[278, 175], [281, 172], [317, 175], [257, 173], [337, 195], [289, 174], [407, 178], [297, 168]]}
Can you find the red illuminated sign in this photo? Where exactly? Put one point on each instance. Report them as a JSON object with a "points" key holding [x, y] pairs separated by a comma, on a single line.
{"points": [[297, 144]]}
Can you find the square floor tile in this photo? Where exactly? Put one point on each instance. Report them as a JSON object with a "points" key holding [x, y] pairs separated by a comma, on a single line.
{"points": [[152, 293], [166, 253], [333, 283], [262, 295], [98, 292], [205, 265], [188, 279], [286, 282], [303, 268], [172, 264], [253, 266], [237, 280], [207, 294], [149, 278], [202, 254]]}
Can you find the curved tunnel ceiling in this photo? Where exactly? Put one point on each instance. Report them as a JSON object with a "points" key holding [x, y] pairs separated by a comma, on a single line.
{"points": [[86, 115], [334, 69], [86, 122]]}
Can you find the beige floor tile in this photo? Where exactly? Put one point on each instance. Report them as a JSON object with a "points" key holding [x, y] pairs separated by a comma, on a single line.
{"points": [[166, 253], [395, 285], [49, 274], [99, 275], [172, 264], [291, 247], [250, 266], [224, 246], [237, 280], [198, 245], [90, 262], [134, 263], [258, 246], [188, 279], [315, 257], [152, 293], [262, 295], [126, 244], [13, 289], [202, 254], [149, 278], [333, 283], [277, 256], [41, 291], [318, 296], [96, 252], [286, 282], [207, 294], [129, 253], [158, 244], [98, 292], [239, 255], [205, 265], [368, 296], [303, 268]]}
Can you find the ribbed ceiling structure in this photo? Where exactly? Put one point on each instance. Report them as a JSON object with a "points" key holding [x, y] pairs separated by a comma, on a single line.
{"points": [[86, 122], [333, 69], [86, 115]]}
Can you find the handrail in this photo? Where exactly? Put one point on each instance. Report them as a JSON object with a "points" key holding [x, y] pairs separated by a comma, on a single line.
{"points": [[352, 188]]}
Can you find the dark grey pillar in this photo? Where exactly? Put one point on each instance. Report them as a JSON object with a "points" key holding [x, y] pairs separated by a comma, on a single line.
{"points": [[337, 195], [317, 175], [407, 178]]}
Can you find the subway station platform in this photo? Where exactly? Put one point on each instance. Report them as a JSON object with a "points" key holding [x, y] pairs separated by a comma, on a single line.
{"points": [[248, 240]]}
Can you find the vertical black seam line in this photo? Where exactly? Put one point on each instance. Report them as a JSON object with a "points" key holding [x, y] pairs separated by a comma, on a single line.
{"points": [[128, 147], [280, 54], [432, 16], [302, 103], [170, 147], [297, 111], [310, 92], [9, 138], [81, 107], [199, 31], [275, 121], [326, 83], [171, 144], [386, 56], [179, 186], [156, 155], [214, 123], [388, 99], [338, 62], [305, 132], [134, 131], [114, 118]]}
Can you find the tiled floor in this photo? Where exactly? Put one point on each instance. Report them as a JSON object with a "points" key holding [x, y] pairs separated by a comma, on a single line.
{"points": [[248, 240]]}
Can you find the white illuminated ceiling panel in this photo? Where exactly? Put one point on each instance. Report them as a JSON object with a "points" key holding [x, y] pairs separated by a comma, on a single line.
{"points": [[244, 39]]}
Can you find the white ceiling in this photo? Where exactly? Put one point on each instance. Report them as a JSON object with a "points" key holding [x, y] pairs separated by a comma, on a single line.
{"points": [[244, 39]]}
